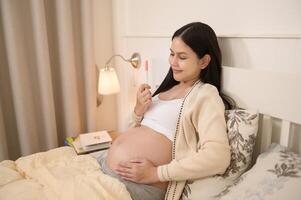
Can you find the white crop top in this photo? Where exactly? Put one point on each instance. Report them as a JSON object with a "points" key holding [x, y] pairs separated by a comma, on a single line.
{"points": [[162, 116]]}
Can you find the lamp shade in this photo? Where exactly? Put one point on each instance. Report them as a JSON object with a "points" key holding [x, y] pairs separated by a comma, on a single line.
{"points": [[108, 82]]}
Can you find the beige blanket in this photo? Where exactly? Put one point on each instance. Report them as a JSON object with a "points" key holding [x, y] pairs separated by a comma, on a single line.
{"points": [[57, 174]]}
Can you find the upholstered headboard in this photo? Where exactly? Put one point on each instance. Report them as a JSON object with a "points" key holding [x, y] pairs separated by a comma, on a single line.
{"points": [[273, 94]]}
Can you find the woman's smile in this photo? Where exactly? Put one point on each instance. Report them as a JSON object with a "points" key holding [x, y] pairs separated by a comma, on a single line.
{"points": [[176, 71]]}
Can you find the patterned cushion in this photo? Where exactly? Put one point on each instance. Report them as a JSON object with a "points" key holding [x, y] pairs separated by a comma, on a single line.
{"points": [[242, 128], [277, 172]]}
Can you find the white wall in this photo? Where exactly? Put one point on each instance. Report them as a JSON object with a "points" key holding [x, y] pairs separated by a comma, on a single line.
{"points": [[252, 34], [232, 17]]}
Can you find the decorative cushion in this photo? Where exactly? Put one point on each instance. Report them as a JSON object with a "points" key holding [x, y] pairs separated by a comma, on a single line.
{"points": [[276, 175], [242, 128]]}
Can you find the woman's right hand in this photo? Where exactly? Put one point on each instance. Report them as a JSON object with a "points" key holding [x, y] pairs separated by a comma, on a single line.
{"points": [[144, 99]]}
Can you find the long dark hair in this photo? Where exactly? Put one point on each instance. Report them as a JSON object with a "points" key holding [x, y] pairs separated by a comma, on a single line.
{"points": [[202, 39]]}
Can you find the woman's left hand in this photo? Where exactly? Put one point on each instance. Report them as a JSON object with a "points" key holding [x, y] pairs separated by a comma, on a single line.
{"points": [[138, 170]]}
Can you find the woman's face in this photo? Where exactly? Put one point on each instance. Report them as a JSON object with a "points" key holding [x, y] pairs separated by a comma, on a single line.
{"points": [[185, 64]]}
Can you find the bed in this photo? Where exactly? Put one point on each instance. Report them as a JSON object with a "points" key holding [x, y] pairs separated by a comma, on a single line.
{"points": [[273, 173]]}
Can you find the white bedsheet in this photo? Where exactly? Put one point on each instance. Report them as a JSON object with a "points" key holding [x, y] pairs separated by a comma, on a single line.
{"points": [[57, 174]]}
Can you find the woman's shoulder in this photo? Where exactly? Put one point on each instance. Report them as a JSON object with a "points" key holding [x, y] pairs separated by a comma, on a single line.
{"points": [[205, 89], [205, 94]]}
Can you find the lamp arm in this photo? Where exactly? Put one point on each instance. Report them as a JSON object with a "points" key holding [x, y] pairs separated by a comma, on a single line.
{"points": [[135, 60], [108, 62]]}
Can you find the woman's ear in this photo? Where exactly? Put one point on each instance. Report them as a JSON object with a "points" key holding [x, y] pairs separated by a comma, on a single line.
{"points": [[205, 61]]}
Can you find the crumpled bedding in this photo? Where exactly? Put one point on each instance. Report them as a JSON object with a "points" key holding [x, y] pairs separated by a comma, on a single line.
{"points": [[58, 174]]}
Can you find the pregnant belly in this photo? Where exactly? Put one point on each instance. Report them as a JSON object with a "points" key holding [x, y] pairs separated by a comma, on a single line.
{"points": [[141, 142]]}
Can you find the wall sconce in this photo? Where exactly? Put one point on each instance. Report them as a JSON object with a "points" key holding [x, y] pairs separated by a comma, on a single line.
{"points": [[108, 81]]}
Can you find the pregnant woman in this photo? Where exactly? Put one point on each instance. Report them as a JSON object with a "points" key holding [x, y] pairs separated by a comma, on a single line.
{"points": [[179, 132]]}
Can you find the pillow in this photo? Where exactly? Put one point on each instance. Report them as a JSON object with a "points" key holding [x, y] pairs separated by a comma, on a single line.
{"points": [[276, 175], [242, 126]]}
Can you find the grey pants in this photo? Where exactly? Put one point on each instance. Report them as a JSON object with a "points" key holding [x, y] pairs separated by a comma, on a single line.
{"points": [[136, 190]]}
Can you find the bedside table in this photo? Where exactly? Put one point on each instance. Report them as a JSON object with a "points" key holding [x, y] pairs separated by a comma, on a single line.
{"points": [[114, 135]]}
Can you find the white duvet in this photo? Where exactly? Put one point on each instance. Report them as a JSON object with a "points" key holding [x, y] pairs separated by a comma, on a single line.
{"points": [[58, 174]]}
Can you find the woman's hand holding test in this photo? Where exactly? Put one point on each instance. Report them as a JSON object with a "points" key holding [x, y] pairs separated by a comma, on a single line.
{"points": [[144, 99]]}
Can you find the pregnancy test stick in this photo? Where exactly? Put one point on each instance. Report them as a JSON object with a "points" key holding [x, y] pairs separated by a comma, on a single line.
{"points": [[146, 71]]}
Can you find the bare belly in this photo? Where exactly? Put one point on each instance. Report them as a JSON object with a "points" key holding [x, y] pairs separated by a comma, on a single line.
{"points": [[141, 142]]}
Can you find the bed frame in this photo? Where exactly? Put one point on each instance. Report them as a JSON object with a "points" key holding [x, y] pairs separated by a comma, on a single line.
{"points": [[273, 94]]}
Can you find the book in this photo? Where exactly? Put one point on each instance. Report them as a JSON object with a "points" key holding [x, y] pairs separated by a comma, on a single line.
{"points": [[89, 142], [78, 147], [68, 141], [80, 150], [94, 141]]}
